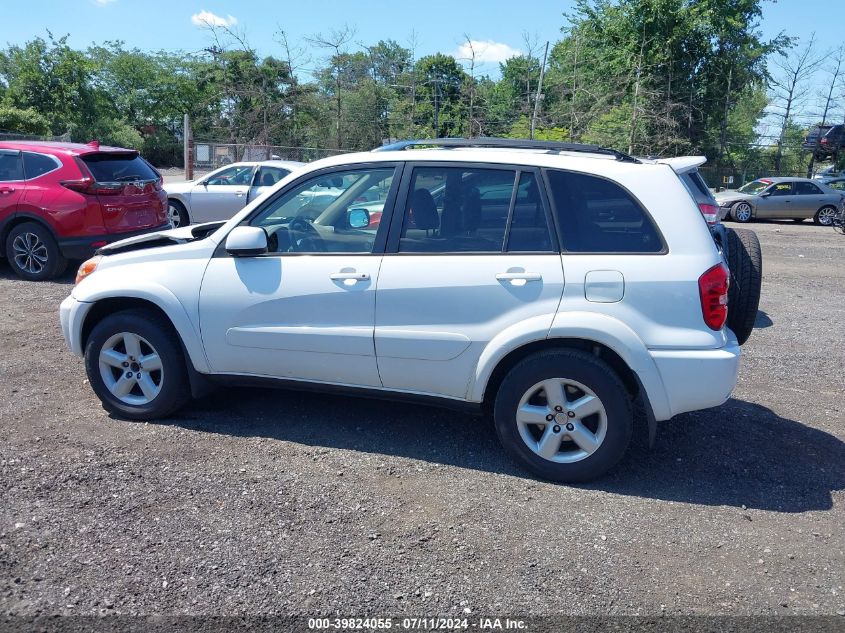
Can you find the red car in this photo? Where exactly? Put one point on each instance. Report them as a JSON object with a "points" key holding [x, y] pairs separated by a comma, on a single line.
{"points": [[61, 201]]}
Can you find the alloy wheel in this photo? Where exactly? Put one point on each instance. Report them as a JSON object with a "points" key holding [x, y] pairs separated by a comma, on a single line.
{"points": [[131, 368], [30, 253], [742, 212], [826, 216], [561, 420], [175, 217]]}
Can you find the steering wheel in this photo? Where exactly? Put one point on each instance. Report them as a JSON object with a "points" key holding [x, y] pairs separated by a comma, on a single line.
{"points": [[304, 237]]}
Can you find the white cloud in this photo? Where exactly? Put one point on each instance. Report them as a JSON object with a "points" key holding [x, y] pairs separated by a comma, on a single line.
{"points": [[486, 51], [207, 18]]}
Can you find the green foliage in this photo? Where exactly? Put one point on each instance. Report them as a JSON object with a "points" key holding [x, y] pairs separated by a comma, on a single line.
{"points": [[646, 76], [23, 121]]}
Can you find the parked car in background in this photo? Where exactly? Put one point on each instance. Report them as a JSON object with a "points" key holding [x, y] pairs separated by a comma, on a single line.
{"points": [[551, 285], [61, 201], [825, 140], [835, 183], [828, 173], [781, 199], [225, 191]]}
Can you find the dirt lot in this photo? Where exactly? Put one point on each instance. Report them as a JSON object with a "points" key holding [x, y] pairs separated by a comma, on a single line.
{"points": [[259, 501]]}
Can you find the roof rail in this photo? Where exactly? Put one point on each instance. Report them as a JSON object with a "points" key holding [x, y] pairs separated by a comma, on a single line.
{"points": [[506, 143]]}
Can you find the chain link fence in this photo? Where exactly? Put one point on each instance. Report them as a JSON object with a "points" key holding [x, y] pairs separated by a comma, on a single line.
{"points": [[14, 136], [210, 155]]}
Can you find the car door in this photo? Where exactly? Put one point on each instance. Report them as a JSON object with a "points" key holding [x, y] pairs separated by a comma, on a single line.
{"points": [[266, 177], [775, 202], [221, 193], [12, 183], [467, 258], [306, 309], [808, 199]]}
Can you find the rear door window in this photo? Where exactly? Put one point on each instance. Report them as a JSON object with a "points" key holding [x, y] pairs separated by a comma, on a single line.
{"points": [[269, 176], [806, 189], [596, 215], [118, 167], [11, 165]]}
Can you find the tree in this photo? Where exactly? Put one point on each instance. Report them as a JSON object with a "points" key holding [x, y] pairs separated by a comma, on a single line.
{"points": [[790, 87]]}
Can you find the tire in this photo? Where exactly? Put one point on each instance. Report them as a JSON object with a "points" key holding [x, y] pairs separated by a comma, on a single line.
{"points": [[33, 253], [745, 261], [159, 392], [177, 213], [609, 429], [825, 215], [742, 212]]}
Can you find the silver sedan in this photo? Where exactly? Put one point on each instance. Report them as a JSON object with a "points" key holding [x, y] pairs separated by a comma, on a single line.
{"points": [[222, 193], [781, 199]]}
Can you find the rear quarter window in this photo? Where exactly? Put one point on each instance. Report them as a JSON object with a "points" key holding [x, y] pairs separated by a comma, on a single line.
{"points": [[596, 215], [118, 167], [35, 165]]}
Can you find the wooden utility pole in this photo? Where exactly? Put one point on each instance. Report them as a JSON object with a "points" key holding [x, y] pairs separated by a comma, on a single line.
{"points": [[188, 148], [539, 92]]}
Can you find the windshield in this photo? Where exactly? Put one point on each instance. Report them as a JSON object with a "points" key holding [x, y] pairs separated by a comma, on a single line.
{"points": [[123, 167], [755, 187]]}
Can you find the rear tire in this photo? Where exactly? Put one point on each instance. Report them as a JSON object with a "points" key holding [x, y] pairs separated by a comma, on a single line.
{"points": [[825, 215], [33, 252], [745, 261], [136, 367], [581, 441]]}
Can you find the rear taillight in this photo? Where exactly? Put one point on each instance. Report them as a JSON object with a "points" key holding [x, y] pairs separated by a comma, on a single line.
{"points": [[91, 188], [824, 141], [713, 290], [710, 212]]}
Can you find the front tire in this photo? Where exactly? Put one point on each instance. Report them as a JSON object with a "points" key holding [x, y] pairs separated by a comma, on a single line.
{"points": [[177, 213], [563, 415], [33, 252], [742, 212], [136, 367], [824, 216]]}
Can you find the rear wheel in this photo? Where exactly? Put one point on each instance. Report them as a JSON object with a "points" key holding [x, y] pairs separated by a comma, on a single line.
{"points": [[33, 253], [745, 261], [564, 415], [177, 213], [825, 215], [135, 365], [741, 212]]}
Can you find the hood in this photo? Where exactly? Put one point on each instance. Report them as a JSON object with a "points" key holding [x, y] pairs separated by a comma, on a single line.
{"points": [[731, 194], [179, 187], [161, 238]]}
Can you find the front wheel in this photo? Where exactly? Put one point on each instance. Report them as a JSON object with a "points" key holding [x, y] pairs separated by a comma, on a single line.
{"points": [[135, 365], [825, 216], [177, 214], [741, 212], [564, 415]]}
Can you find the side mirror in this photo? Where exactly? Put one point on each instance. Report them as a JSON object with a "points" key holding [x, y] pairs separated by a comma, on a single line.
{"points": [[358, 218], [246, 241], [765, 194]]}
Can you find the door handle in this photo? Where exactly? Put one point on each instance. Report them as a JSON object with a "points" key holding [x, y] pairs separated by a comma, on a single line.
{"points": [[240, 194], [519, 277], [7, 190], [349, 276]]}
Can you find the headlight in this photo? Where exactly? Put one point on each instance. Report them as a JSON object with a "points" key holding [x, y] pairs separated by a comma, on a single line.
{"points": [[88, 267]]}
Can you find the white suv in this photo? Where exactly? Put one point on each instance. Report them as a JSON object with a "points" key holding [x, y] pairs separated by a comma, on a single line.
{"points": [[552, 285]]}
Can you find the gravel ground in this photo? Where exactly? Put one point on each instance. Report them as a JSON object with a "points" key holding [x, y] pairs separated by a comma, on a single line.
{"points": [[256, 501]]}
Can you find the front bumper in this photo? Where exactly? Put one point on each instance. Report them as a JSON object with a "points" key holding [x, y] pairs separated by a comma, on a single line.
{"points": [[71, 316], [84, 247], [698, 379]]}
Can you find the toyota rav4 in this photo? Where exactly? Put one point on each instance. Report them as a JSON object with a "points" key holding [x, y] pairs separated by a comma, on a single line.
{"points": [[556, 287]]}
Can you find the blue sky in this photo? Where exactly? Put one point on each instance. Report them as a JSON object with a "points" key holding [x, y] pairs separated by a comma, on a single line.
{"points": [[439, 25]]}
